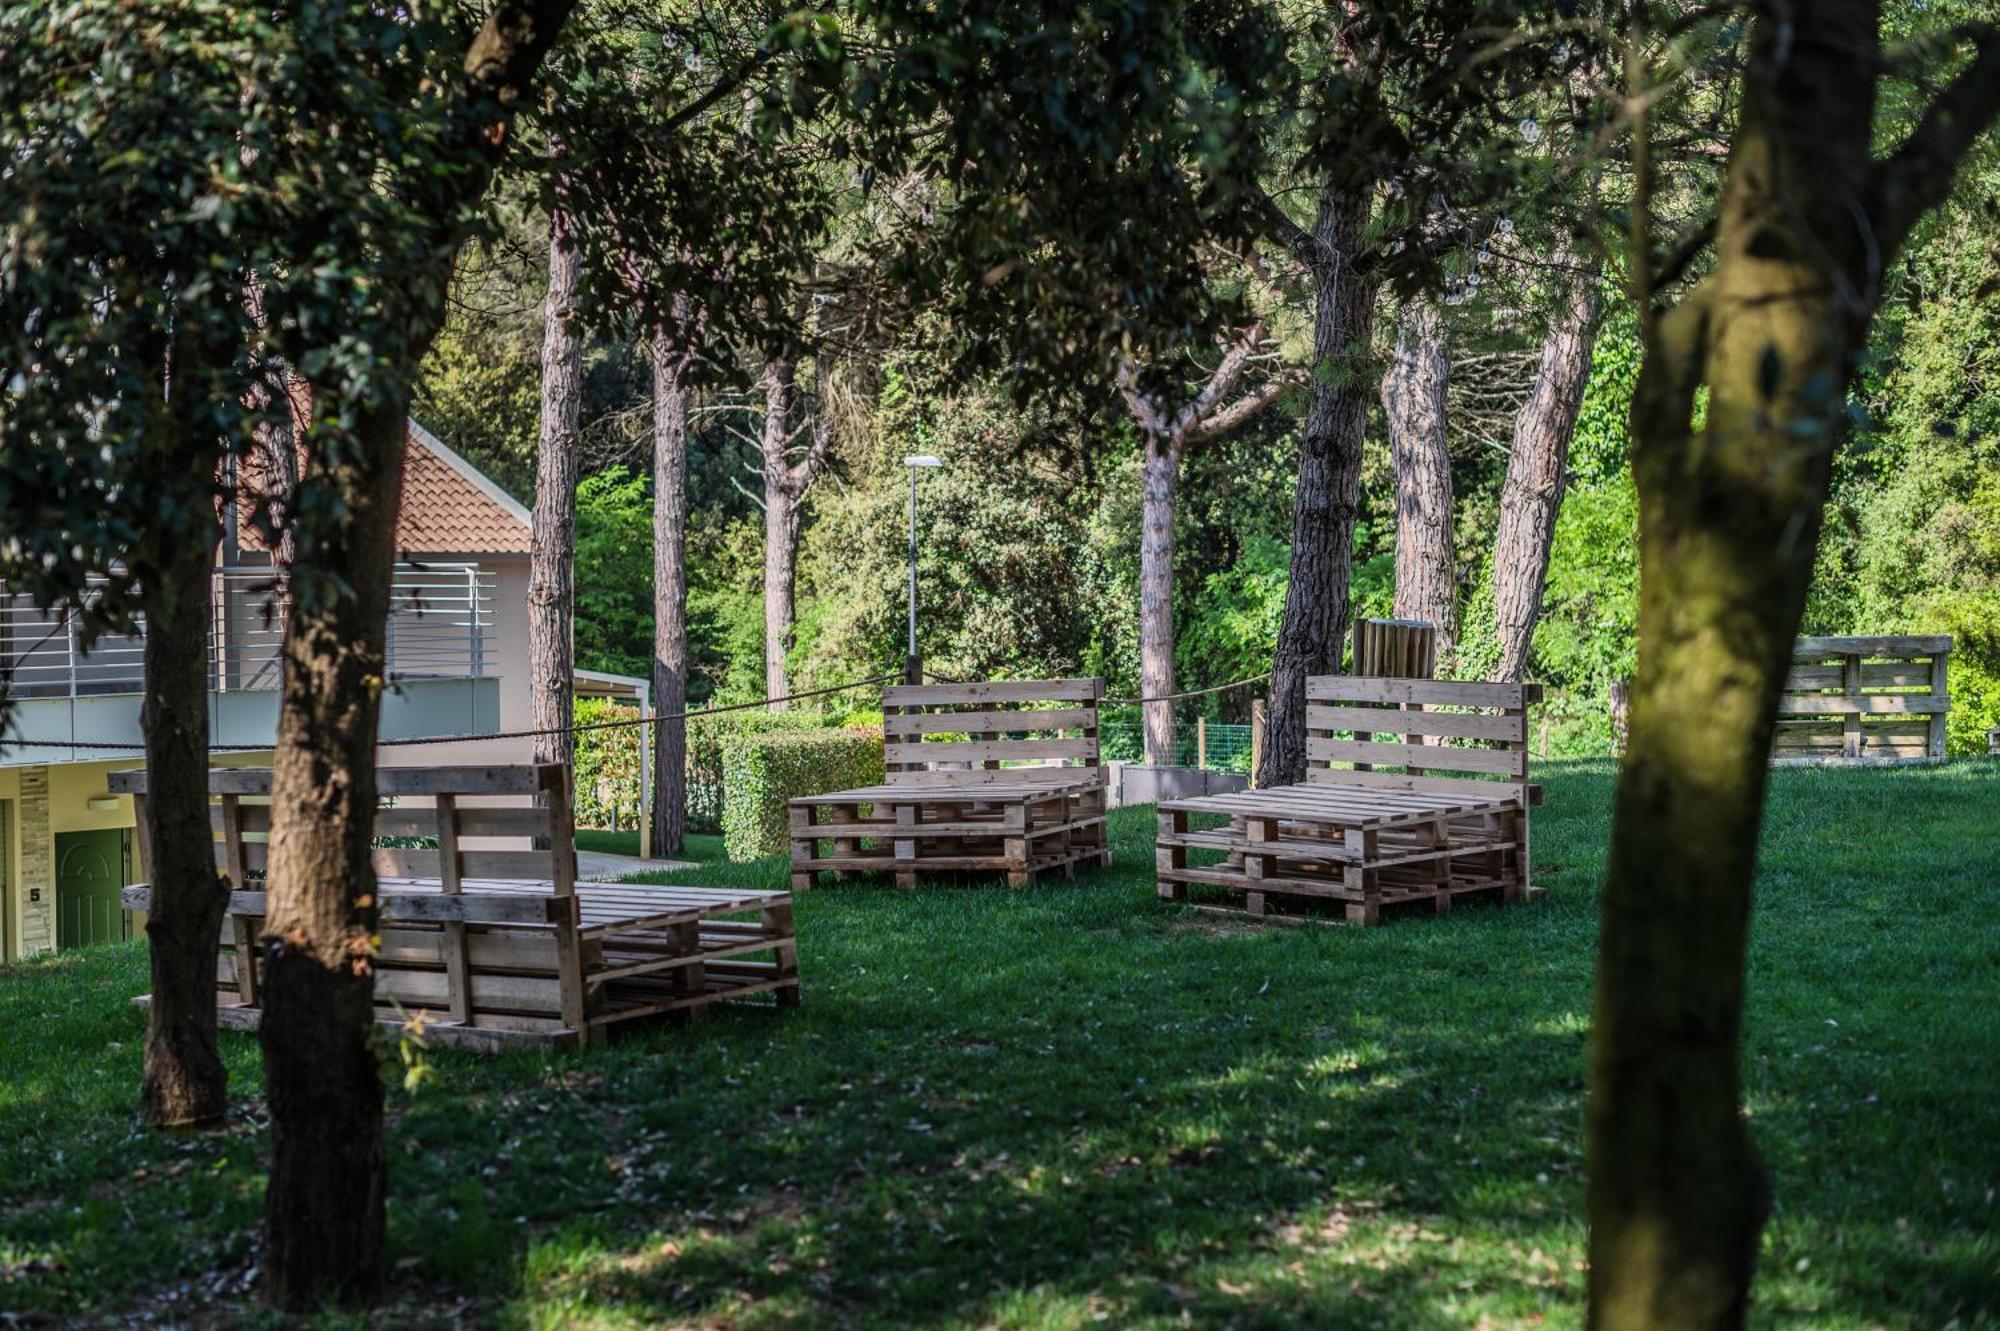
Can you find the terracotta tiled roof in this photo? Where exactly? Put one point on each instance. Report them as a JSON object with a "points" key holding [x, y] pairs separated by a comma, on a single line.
{"points": [[450, 507]]}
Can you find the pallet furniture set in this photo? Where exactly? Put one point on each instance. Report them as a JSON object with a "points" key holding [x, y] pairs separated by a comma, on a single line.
{"points": [[1003, 776], [1417, 792], [483, 924], [1868, 701]]}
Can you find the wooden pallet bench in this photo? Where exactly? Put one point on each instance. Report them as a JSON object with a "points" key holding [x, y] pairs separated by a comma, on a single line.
{"points": [[1416, 794], [960, 796], [484, 927], [1868, 701]]}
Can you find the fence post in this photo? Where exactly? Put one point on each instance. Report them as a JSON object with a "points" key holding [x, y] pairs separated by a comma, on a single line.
{"points": [[1256, 737], [1201, 742]]}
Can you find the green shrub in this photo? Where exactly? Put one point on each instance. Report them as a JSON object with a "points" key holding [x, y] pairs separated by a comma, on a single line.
{"points": [[707, 737], [761, 772], [607, 765]]}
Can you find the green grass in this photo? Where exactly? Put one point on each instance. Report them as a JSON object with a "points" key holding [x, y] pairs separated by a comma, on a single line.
{"points": [[1074, 1105], [703, 848]]}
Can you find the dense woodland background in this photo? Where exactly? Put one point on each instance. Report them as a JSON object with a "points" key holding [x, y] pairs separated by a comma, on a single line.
{"points": [[1029, 535]]}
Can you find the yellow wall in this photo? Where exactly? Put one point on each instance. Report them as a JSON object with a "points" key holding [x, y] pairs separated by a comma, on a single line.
{"points": [[71, 788]]}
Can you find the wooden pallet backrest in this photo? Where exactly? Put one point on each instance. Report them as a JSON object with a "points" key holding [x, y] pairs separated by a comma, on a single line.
{"points": [[961, 734], [1445, 737], [477, 822], [1865, 698]]}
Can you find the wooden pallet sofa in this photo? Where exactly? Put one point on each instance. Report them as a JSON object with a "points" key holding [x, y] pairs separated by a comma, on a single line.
{"points": [[483, 925], [950, 805], [1416, 792], [1866, 701]]}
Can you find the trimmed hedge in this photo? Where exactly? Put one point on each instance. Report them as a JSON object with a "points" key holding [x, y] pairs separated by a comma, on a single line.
{"points": [[761, 772], [707, 736]]}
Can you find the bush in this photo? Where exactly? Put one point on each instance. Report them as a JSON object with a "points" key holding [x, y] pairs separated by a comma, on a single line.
{"points": [[607, 765], [761, 772], [707, 737]]}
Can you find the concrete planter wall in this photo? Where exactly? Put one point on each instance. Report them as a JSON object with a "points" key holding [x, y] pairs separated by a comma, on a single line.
{"points": [[1132, 783]]}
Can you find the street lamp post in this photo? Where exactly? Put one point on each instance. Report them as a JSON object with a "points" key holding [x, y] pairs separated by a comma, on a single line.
{"points": [[913, 666]]}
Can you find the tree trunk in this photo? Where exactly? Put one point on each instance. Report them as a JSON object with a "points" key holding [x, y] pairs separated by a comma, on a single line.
{"points": [[323, 1219], [184, 1084], [1413, 393], [781, 527], [670, 636], [1533, 491], [1159, 472], [551, 585], [323, 1204], [1731, 495], [1323, 508]]}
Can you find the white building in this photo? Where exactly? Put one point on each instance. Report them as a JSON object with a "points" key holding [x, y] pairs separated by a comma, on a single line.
{"points": [[458, 656]]}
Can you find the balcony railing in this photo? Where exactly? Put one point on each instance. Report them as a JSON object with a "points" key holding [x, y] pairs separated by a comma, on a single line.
{"points": [[440, 627]]}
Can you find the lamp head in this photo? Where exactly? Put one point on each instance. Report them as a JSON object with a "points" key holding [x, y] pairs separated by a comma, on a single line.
{"points": [[923, 460]]}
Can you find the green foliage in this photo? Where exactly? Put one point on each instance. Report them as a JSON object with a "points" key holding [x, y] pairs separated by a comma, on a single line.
{"points": [[614, 573], [762, 772], [709, 737], [607, 765], [1233, 626]]}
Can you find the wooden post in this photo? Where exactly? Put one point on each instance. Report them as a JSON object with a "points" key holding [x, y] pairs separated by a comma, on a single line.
{"points": [[457, 980], [1850, 679], [1201, 742], [1257, 721], [1940, 688]]}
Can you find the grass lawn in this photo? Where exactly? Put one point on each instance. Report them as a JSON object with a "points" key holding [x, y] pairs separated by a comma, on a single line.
{"points": [[1075, 1105]]}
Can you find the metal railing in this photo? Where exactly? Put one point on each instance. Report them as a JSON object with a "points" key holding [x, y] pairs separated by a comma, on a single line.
{"points": [[440, 627]]}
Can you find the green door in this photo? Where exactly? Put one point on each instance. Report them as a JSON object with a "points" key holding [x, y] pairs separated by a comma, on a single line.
{"points": [[90, 875]]}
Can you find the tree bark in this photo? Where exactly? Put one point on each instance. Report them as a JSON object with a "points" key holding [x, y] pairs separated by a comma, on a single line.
{"points": [[1323, 508], [1165, 437], [1532, 494], [323, 1222], [184, 1084], [1730, 505], [1159, 474], [323, 1204], [781, 527], [670, 635], [1413, 399], [551, 574]]}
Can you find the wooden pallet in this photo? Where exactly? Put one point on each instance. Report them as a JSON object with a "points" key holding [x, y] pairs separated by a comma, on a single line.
{"points": [[1374, 827], [995, 777], [503, 948], [1867, 701]]}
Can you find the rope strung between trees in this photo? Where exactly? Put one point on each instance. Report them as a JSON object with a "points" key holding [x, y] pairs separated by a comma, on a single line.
{"points": [[1192, 693], [622, 724]]}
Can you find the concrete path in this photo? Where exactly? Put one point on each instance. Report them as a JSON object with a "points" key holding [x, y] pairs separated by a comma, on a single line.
{"points": [[600, 866]]}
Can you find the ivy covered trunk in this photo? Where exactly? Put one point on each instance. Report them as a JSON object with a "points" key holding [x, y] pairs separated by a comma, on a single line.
{"points": [[323, 1229], [1159, 470], [670, 634], [551, 574], [1740, 406], [1413, 401], [1324, 505], [1532, 493], [184, 1084]]}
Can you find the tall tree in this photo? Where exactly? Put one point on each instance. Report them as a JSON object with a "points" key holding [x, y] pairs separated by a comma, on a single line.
{"points": [[134, 392], [1413, 401], [1166, 433], [1741, 405], [1406, 106], [788, 470], [552, 566], [672, 357], [1536, 462], [324, 1220]]}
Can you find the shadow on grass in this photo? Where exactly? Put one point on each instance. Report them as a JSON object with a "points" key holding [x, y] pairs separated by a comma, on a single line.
{"points": [[1074, 1105]]}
